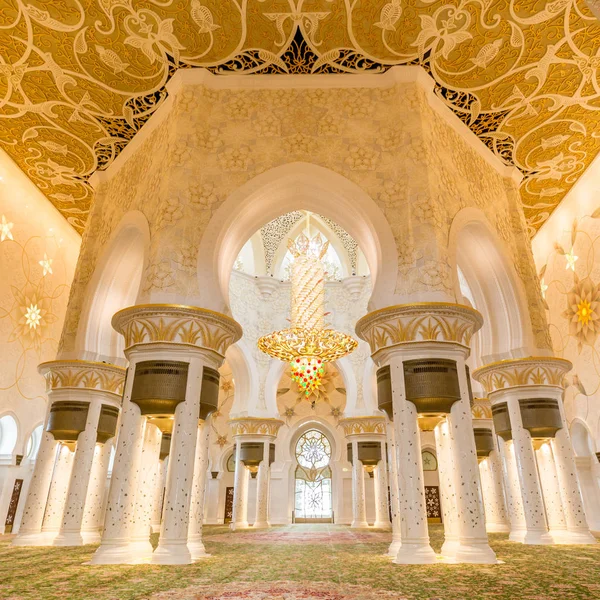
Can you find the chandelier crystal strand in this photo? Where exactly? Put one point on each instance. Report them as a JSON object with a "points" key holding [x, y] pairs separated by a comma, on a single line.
{"points": [[307, 345]]}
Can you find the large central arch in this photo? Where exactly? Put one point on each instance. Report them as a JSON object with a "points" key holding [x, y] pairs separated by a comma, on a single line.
{"points": [[295, 186]]}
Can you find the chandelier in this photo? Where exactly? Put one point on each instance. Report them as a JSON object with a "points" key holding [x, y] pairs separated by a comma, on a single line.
{"points": [[307, 345]]}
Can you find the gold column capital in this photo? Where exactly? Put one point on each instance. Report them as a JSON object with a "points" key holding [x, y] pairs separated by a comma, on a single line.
{"points": [[255, 426], [481, 408], [419, 322], [176, 324], [83, 374], [523, 372], [363, 426]]}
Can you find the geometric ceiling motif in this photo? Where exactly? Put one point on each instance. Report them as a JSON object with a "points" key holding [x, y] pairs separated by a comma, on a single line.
{"points": [[79, 79]]}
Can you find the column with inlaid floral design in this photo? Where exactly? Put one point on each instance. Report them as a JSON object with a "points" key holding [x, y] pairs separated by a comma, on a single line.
{"points": [[174, 353], [416, 347]]}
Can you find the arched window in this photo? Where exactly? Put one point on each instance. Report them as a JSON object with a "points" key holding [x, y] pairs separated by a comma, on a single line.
{"points": [[313, 477], [8, 435], [33, 443], [231, 463], [429, 461]]}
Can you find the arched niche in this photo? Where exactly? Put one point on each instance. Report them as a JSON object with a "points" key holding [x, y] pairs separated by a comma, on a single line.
{"points": [[495, 288], [32, 445], [295, 186], [9, 434], [582, 439], [244, 373], [114, 285]]}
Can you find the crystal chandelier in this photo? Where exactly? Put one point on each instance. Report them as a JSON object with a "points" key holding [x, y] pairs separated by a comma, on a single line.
{"points": [[307, 345]]}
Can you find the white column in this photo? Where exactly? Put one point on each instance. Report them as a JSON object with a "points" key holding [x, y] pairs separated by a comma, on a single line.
{"points": [[159, 492], [195, 544], [30, 532], [514, 500], [93, 515], [262, 490], [382, 508], [359, 512], [531, 494], [448, 492], [474, 546], [496, 517], [393, 471], [120, 511], [58, 493], [172, 545], [577, 528], [140, 547], [415, 548], [239, 518], [551, 493], [70, 530]]}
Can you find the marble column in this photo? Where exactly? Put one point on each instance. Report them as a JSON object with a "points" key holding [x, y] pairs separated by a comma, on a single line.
{"points": [[510, 382], [382, 507], [359, 507], [239, 519], [139, 540], [172, 545], [58, 492], [496, 516], [121, 506], [405, 333], [93, 515], [516, 512], [578, 531], [30, 532], [195, 544], [393, 478], [158, 498], [448, 491], [551, 493], [262, 490], [70, 529]]}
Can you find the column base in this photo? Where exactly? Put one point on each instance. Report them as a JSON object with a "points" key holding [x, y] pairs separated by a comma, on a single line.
{"points": [[531, 537], [261, 525], [33, 539], [155, 528], [394, 547], [359, 525], [415, 554], [450, 549], [197, 550], [123, 553], [91, 537], [573, 537], [477, 554], [497, 528], [172, 554], [382, 525], [70, 538], [240, 525]]}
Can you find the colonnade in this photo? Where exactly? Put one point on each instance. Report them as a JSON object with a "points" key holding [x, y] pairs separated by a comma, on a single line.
{"points": [[254, 453], [65, 503]]}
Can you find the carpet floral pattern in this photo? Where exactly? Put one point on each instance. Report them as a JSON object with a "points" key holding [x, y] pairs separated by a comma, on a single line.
{"points": [[284, 569]]}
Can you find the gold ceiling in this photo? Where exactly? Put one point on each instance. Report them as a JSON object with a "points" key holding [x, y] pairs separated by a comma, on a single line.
{"points": [[79, 78]]}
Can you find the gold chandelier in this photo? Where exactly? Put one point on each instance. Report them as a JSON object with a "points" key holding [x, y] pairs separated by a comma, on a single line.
{"points": [[307, 345]]}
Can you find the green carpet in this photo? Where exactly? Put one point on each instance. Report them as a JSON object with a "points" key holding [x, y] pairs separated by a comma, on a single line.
{"points": [[302, 562]]}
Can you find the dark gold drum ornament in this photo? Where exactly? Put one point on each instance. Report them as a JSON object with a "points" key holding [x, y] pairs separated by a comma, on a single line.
{"points": [[67, 420], [251, 454], [541, 417], [165, 446], [501, 420], [107, 424], [384, 391], [209, 395], [159, 386], [369, 453], [432, 386], [484, 441]]}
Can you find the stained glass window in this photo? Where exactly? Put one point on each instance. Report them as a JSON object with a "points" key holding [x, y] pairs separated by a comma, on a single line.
{"points": [[231, 463], [429, 461], [313, 476]]}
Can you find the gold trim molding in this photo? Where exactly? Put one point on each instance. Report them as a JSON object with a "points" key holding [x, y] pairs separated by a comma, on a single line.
{"points": [[81, 374], [531, 371], [481, 408], [176, 324], [255, 426], [419, 322], [363, 425]]}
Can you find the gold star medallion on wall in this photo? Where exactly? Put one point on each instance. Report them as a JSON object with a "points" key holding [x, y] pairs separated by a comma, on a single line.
{"points": [[33, 316], [46, 265], [571, 260]]}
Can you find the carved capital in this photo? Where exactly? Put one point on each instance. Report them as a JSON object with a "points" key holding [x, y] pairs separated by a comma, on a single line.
{"points": [[82, 374], [520, 372], [255, 426], [481, 408], [176, 324], [363, 425], [419, 322]]}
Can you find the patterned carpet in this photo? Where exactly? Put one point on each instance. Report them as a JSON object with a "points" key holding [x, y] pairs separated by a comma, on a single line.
{"points": [[303, 562]]}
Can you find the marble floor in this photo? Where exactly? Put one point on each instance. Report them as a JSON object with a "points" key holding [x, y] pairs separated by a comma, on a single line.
{"points": [[302, 562]]}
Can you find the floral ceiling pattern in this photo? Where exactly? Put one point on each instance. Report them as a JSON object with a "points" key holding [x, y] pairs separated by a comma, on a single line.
{"points": [[77, 80]]}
